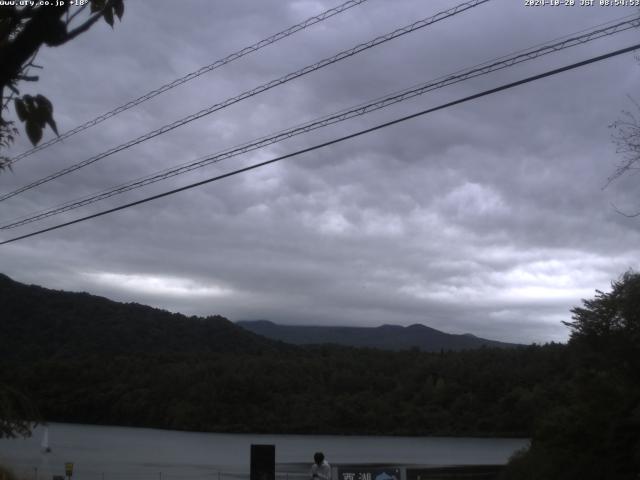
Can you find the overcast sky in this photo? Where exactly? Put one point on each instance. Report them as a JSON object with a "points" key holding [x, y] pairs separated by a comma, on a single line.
{"points": [[489, 217]]}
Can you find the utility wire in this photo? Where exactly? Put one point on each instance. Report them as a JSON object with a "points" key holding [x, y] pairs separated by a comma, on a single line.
{"points": [[190, 76], [249, 93], [484, 93], [362, 109]]}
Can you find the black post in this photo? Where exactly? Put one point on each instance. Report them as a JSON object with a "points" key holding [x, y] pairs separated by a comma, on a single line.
{"points": [[263, 462]]}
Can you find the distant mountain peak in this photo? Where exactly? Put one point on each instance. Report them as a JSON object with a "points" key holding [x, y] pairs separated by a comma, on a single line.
{"points": [[417, 326], [384, 337], [388, 326]]}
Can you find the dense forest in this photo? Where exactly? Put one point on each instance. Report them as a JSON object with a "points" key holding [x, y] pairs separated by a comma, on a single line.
{"points": [[86, 359], [318, 390]]}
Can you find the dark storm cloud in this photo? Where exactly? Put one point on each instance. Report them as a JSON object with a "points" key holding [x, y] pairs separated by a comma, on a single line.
{"points": [[488, 217]]}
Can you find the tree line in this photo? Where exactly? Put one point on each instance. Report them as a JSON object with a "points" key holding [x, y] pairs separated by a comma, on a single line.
{"points": [[578, 402]]}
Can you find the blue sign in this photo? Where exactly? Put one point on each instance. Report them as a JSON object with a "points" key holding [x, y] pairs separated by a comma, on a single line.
{"points": [[364, 473]]}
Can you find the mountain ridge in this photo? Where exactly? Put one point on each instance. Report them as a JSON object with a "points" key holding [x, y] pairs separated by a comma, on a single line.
{"points": [[45, 323], [385, 337]]}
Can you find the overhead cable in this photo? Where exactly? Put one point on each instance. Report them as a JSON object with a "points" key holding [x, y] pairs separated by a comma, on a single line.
{"points": [[334, 141], [190, 76], [362, 109], [255, 91]]}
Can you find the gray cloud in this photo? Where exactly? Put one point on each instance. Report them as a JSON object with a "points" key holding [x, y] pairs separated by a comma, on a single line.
{"points": [[488, 217]]}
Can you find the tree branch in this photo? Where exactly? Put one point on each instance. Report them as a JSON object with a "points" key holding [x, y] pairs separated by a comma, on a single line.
{"points": [[84, 27], [35, 32], [26, 12], [76, 13]]}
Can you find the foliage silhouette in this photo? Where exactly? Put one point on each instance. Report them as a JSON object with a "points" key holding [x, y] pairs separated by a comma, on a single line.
{"points": [[23, 31], [593, 430]]}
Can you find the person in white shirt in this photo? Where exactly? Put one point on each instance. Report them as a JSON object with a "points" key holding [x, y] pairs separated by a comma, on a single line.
{"points": [[320, 470]]}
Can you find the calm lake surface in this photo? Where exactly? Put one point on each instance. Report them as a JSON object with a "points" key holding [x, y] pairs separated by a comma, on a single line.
{"points": [[118, 453]]}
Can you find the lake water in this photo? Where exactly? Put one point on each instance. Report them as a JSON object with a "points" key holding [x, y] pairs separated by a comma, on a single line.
{"points": [[119, 453]]}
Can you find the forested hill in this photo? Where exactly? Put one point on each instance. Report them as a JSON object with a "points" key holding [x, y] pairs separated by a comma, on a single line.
{"points": [[386, 337], [42, 323], [86, 359]]}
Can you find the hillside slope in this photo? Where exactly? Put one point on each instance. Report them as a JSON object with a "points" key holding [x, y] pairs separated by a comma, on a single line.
{"points": [[43, 323]]}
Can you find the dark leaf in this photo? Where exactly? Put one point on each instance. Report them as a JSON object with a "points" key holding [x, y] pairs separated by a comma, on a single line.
{"points": [[20, 109], [118, 7], [34, 132], [44, 102], [44, 113], [108, 16], [39, 115], [52, 123], [97, 5], [29, 102]]}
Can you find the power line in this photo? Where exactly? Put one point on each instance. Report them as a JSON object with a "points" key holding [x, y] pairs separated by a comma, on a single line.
{"points": [[250, 93], [362, 109], [190, 76], [337, 140]]}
